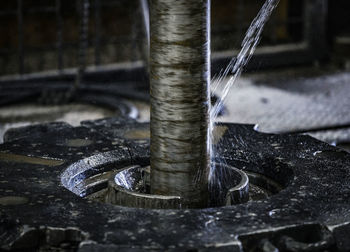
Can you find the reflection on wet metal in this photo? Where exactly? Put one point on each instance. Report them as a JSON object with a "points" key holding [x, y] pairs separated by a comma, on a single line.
{"points": [[137, 134], [13, 200], [78, 142], [131, 187], [94, 187], [239, 193], [218, 132], [10, 157]]}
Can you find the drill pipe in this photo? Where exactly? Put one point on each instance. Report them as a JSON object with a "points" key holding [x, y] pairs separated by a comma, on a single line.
{"points": [[180, 99]]}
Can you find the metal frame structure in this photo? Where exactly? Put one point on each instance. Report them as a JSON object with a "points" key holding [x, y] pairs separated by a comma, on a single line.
{"points": [[312, 48]]}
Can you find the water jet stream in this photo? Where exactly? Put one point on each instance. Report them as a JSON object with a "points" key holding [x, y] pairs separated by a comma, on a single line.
{"points": [[237, 64]]}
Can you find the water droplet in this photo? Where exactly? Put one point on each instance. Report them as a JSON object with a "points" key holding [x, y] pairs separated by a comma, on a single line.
{"points": [[316, 153], [273, 212]]}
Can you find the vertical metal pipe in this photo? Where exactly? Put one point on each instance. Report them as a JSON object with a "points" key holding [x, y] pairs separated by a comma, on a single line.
{"points": [[180, 100], [83, 40], [145, 15], [59, 44], [315, 18], [20, 37], [144, 5], [97, 32], [239, 19]]}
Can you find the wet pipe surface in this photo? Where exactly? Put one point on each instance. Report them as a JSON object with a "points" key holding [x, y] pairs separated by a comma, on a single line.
{"points": [[41, 166]]}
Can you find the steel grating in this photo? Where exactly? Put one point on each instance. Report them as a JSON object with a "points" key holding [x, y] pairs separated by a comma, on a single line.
{"points": [[317, 104]]}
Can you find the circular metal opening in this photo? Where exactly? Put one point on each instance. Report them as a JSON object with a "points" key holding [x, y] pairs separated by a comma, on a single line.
{"points": [[131, 187], [95, 176]]}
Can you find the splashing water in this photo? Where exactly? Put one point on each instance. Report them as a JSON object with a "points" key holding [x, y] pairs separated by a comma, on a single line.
{"points": [[249, 44], [236, 66]]}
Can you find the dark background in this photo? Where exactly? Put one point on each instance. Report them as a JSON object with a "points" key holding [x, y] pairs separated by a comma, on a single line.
{"points": [[120, 35]]}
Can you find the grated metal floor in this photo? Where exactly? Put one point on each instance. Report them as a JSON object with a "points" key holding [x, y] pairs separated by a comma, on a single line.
{"points": [[293, 104]]}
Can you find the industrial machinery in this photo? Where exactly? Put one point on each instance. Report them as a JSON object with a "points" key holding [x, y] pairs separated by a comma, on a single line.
{"points": [[125, 184]]}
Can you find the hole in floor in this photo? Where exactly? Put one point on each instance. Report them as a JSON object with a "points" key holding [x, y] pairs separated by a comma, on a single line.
{"points": [[109, 180]]}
